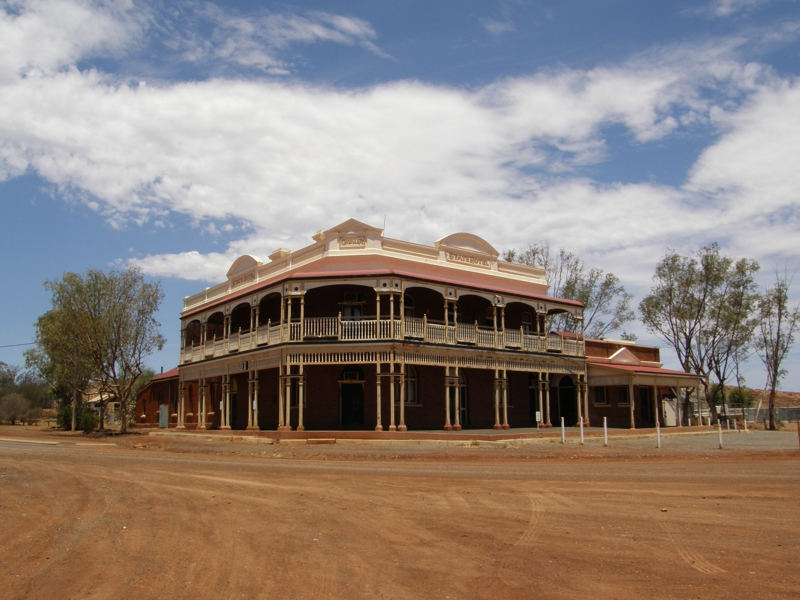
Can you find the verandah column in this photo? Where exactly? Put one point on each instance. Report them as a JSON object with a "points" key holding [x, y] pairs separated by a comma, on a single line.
{"points": [[504, 385], [447, 384], [281, 373], [402, 378], [181, 399], [252, 402], [225, 421], [656, 420], [457, 416], [586, 401], [547, 399], [496, 400], [287, 405], [392, 426], [378, 419], [630, 400], [201, 409], [541, 393], [301, 388]]}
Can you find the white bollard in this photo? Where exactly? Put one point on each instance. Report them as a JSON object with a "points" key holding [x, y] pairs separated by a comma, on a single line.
{"points": [[581, 431], [719, 426], [735, 425], [745, 425], [728, 421], [658, 435], [605, 431], [563, 433]]}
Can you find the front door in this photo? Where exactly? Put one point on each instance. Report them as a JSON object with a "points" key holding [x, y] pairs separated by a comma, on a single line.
{"points": [[566, 402], [352, 405], [163, 416]]}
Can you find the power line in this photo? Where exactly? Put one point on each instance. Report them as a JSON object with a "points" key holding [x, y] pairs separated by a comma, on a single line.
{"points": [[14, 345]]}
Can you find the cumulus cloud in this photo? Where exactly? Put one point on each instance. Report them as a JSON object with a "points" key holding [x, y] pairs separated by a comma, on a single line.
{"points": [[505, 161]]}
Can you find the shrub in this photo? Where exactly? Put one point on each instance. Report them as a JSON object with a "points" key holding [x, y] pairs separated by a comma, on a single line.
{"points": [[89, 420]]}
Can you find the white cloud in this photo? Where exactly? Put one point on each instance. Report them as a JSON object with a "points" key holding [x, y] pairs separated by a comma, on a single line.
{"points": [[725, 8], [285, 159], [258, 42]]}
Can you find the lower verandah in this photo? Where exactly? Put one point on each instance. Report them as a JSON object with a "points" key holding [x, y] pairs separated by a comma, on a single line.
{"points": [[345, 398]]}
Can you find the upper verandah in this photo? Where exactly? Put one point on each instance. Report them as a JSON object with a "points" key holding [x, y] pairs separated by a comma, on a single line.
{"points": [[355, 248]]}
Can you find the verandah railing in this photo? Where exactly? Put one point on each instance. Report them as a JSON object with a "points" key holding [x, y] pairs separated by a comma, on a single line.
{"points": [[335, 328]]}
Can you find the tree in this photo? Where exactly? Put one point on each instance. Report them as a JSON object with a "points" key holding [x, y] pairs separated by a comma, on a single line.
{"points": [[777, 326], [13, 407], [606, 303], [109, 318], [703, 306], [8, 375], [61, 360]]}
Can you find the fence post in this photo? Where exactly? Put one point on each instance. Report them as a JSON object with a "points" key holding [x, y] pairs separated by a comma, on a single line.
{"points": [[605, 431], [581, 431], [719, 427], [658, 435], [563, 433]]}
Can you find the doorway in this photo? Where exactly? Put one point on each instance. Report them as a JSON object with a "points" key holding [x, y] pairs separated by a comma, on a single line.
{"points": [[351, 387]]}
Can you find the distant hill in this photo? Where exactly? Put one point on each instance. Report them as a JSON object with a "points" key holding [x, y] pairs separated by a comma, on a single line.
{"points": [[781, 398]]}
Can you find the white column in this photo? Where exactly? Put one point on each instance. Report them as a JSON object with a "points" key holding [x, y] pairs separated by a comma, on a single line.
{"points": [[250, 400], [579, 397], [302, 317], [225, 419], [547, 399]]}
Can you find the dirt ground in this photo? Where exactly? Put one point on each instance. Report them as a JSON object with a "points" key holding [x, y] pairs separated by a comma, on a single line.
{"points": [[183, 517]]}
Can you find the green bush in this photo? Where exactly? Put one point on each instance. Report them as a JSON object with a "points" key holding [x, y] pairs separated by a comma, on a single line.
{"points": [[64, 414], [89, 420]]}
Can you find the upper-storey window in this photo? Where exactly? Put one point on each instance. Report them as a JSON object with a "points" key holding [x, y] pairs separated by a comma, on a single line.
{"points": [[408, 307], [352, 306], [527, 323]]}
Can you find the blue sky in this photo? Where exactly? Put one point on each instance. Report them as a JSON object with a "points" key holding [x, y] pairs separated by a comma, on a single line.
{"points": [[177, 136]]}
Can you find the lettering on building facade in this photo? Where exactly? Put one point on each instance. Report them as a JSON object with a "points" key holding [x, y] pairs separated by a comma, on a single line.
{"points": [[468, 260], [244, 279], [353, 242]]}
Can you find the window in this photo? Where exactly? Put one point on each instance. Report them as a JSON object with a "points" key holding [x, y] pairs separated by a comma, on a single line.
{"points": [[352, 306], [527, 323], [408, 306], [410, 386], [622, 396], [600, 395], [353, 374]]}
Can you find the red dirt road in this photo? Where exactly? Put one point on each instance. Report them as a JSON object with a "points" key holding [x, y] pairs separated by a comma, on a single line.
{"points": [[230, 520]]}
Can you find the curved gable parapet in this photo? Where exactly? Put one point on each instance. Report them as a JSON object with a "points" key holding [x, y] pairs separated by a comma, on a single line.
{"points": [[243, 263], [468, 242]]}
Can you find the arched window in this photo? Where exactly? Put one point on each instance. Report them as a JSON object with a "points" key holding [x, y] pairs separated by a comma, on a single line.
{"points": [[352, 374], [410, 386], [527, 323]]}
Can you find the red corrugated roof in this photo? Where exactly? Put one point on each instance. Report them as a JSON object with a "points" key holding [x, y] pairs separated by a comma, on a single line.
{"points": [[641, 369], [169, 374], [478, 281]]}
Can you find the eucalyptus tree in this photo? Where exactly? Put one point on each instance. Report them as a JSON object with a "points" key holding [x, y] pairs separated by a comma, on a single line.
{"points": [[704, 307], [60, 359], [777, 326], [103, 323], [606, 303]]}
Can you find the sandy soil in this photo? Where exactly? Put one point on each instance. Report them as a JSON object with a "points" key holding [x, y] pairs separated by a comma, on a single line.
{"points": [[188, 518]]}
